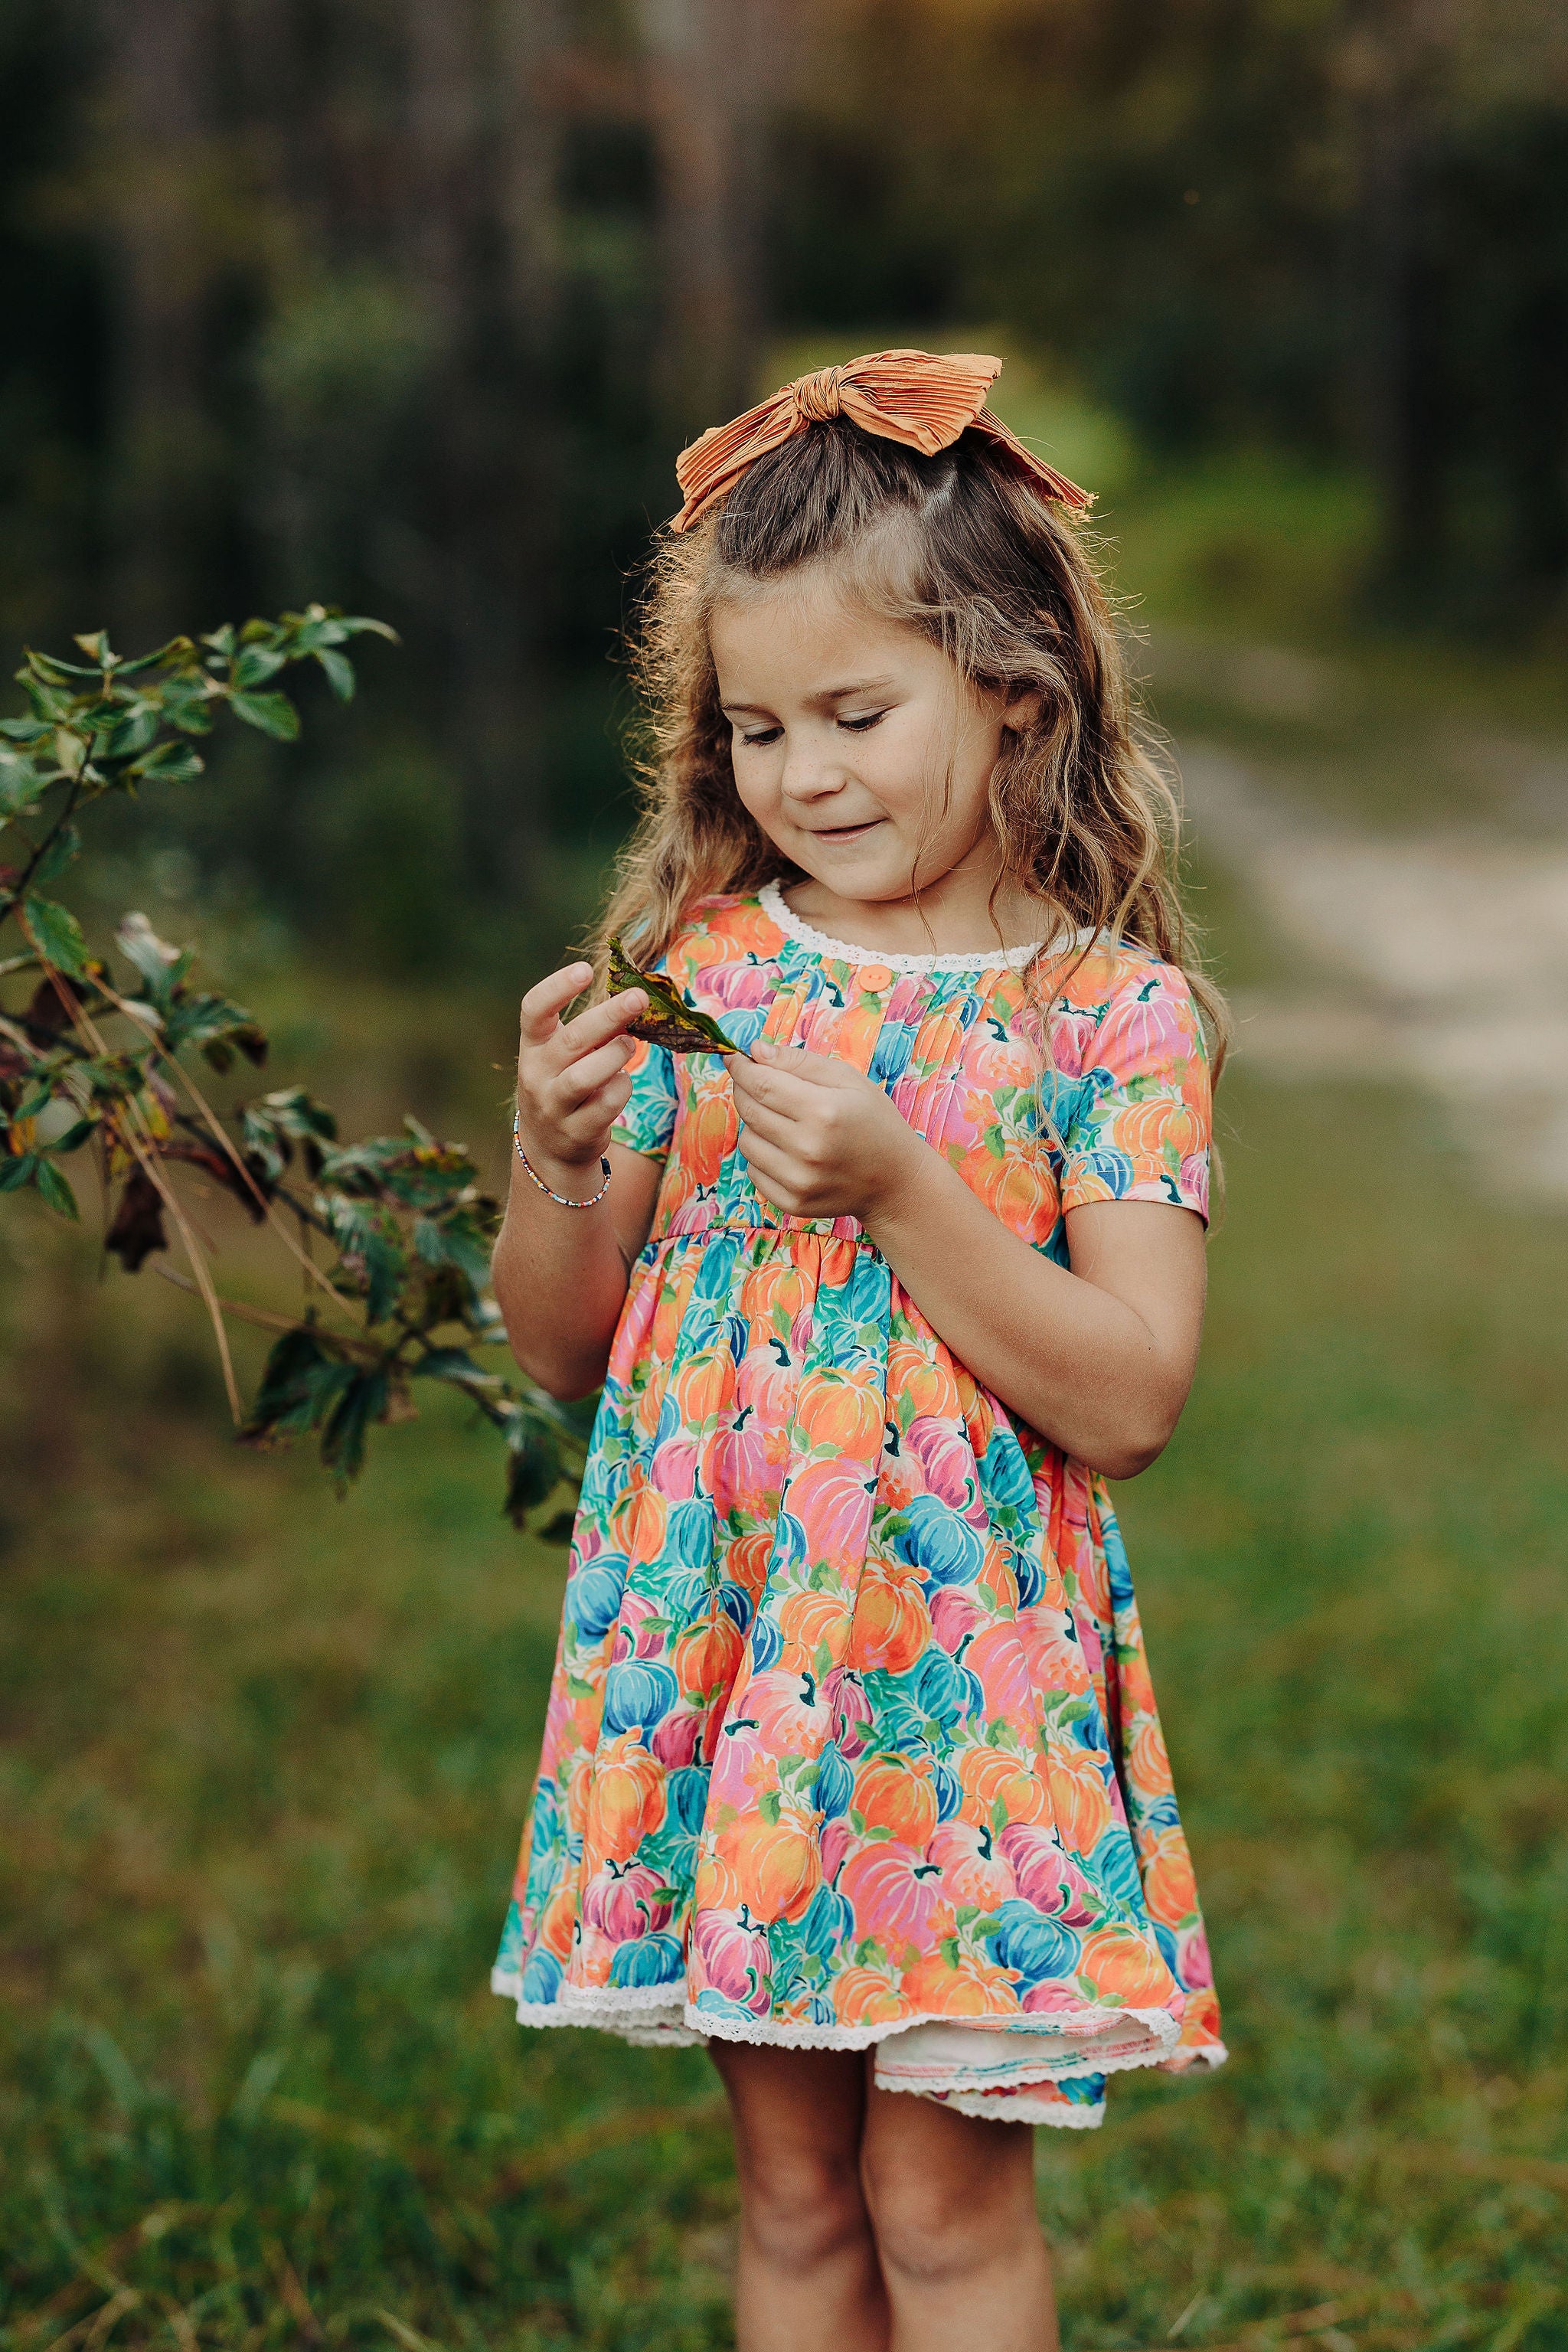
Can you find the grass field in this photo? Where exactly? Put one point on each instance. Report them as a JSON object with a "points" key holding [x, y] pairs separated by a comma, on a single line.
{"points": [[263, 1761], [265, 1758]]}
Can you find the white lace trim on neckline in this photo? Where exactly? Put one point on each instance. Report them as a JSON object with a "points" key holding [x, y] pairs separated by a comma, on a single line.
{"points": [[771, 898]]}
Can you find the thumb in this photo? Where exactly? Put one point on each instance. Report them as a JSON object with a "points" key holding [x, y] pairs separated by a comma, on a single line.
{"points": [[821, 1069]]}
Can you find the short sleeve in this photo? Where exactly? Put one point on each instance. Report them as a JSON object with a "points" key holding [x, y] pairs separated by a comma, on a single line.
{"points": [[1141, 1122], [648, 1121]]}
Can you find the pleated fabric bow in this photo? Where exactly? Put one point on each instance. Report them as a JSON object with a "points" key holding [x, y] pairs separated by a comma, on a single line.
{"points": [[924, 399]]}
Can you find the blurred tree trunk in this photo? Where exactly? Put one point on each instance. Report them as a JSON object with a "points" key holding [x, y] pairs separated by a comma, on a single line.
{"points": [[480, 198], [715, 67], [1399, 354], [159, 64]]}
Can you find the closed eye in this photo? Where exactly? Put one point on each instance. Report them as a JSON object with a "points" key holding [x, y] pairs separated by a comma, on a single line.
{"points": [[761, 735], [863, 726]]}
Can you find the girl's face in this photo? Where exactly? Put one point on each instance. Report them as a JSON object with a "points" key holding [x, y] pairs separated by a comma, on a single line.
{"points": [[861, 750]]}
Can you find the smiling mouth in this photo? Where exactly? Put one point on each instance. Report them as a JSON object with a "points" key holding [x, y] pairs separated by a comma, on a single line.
{"points": [[846, 832]]}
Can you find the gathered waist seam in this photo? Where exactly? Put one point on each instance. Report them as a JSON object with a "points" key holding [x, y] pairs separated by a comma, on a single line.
{"points": [[823, 1230]]}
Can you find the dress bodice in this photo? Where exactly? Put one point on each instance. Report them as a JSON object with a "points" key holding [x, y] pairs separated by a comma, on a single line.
{"points": [[1087, 1080]]}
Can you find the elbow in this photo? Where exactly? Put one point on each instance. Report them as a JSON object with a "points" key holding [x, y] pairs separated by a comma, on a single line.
{"points": [[1126, 1460], [1133, 1444], [567, 1378]]}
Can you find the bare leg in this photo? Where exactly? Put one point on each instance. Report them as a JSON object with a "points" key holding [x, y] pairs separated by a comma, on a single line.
{"points": [[808, 2263], [951, 2201]]}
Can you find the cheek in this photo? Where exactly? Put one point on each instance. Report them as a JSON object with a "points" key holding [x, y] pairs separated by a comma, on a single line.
{"points": [[755, 787]]}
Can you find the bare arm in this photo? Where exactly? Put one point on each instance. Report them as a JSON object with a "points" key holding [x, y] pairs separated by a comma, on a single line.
{"points": [[1099, 1359], [561, 1274]]}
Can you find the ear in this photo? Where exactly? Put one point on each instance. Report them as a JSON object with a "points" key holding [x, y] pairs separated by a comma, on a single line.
{"points": [[1021, 711]]}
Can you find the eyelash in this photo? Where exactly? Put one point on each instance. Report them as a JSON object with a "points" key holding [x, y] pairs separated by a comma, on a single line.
{"points": [[767, 735]]}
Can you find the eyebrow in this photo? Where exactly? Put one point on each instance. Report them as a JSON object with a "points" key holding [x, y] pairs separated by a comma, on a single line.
{"points": [[829, 694]]}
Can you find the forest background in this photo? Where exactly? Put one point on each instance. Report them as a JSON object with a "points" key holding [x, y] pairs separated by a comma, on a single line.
{"points": [[407, 307]]}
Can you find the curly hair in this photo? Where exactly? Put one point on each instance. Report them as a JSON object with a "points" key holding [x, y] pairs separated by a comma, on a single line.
{"points": [[959, 547]]}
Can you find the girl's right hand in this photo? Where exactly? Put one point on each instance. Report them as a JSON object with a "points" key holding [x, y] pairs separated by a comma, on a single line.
{"points": [[570, 1088]]}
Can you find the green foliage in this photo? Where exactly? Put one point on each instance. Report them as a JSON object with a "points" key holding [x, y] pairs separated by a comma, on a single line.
{"points": [[391, 1234], [264, 1768]]}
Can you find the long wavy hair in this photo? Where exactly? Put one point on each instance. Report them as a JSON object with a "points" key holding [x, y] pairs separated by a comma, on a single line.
{"points": [[962, 549]]}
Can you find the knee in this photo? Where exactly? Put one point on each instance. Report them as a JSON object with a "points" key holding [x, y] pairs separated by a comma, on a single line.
{"points": [[933, 2225], [800, 2209]]}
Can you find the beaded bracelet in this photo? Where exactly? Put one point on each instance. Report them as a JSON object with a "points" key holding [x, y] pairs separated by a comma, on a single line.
{"points": [[559, 1198]]}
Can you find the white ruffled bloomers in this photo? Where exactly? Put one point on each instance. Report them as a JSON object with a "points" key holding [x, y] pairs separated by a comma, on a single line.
{"points": [[1005, 2075]]}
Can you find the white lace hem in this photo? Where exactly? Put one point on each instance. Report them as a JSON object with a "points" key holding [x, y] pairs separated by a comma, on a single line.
{"points": [[775, 906], [652, 2017], [1054, 2112]]}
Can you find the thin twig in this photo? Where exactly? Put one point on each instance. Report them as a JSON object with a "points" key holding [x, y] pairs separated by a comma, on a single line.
{"points": [[225, 1143], [20, 1039], [262, 1318], [146, 1159], [147, 1162]]}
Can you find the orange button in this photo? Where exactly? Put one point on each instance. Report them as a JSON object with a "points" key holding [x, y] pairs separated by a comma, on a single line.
{"points": [[875, 976]]}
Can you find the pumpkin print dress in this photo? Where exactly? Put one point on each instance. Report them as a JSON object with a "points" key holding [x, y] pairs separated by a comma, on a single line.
{"points": [[851, 1739]]}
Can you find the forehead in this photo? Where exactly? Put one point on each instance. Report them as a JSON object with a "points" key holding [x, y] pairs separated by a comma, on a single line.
{"points": [[802, 633]]}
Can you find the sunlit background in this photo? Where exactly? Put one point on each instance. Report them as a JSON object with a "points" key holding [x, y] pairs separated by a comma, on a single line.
{"points": [[406, 305]]}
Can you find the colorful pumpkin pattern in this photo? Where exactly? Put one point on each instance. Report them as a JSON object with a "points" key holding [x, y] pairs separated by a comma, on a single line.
{"points": [[851, 1737]]}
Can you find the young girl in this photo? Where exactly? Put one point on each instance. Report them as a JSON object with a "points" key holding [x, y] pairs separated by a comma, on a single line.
{"points": [[852, 1767]]}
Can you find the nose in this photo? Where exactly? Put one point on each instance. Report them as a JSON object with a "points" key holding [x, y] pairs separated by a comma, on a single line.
{"points": [[812, 771]]}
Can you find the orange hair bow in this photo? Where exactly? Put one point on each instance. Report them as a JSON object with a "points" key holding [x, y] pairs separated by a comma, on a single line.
{"points": [[921, 398]]}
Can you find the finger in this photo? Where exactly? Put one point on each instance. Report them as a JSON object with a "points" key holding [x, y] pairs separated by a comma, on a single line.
{"points": [[798, 1062], [776, 1126], [592, 1118], [595, 1024], [548, 999], [585, 1076], [589, 1121], [773, 1172], [778, 1089]]}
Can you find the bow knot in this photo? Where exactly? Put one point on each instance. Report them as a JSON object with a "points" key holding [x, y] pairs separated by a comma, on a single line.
{"points": [[923, 399], [816, 396]]}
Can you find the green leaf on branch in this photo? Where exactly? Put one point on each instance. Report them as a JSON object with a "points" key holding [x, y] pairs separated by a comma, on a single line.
{"points": [[218, 1027], [188, 705], [271, 714], [55, 671], [256, 664], [367, 1396], [22, 787], [307, 1385], [57, 936], [272, 1126], [17, 1171], [53, 1188], [374, 1263], [170, 763], [339, 672], [449, 1364], [557, 1529], [533, 1472], [132, 731], [420, 1174], [61, 851], [457, 1240], [300, 1383]]}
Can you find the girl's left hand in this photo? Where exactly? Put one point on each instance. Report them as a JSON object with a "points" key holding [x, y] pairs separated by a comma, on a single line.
{"points": [[820, 1139]]}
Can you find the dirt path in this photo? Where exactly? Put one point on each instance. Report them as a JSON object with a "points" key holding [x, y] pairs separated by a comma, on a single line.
{"points": [[1441, 958]]}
